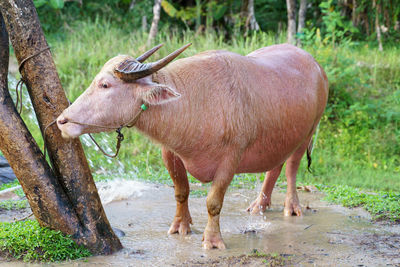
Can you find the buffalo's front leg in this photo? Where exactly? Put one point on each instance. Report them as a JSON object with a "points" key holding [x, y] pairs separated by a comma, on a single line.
{"points": [[212, 235], [177, 171], [264, 198]]}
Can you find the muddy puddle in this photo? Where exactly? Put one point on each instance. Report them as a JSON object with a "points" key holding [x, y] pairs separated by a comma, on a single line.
{"points": [[326, 235]]}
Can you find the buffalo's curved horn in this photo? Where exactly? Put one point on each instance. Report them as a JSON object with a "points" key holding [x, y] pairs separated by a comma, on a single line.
{"points": [[148, 53], [130, 70]]}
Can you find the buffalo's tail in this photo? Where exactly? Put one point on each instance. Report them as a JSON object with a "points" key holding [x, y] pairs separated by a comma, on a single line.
{"points": [[309, 159], [310, 149]]}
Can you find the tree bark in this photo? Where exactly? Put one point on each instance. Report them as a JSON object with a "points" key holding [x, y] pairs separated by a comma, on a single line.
{"points": [[49, 204], [49, 100], [198, 14], [244, 14], [354, 14], [291, 15], [302, 15], [154, 23], [386, 9], [366, 22], [302, 18], [132, 5], [244, 9], [377, 24], [251, 22], [144, 24]]}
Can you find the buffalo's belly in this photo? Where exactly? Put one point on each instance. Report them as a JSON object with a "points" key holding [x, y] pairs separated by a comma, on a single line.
{"points": [[262, 155], [203, 170], [253, 161], [265, 155]]}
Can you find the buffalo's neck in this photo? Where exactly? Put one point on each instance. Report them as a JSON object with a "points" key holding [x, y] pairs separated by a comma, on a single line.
{"points": [[164, 123]]}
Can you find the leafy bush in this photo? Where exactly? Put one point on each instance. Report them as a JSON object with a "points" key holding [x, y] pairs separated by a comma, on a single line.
{"points": [[336, 27]]}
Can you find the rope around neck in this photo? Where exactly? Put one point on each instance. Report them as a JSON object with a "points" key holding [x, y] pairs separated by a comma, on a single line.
{"points": [[120, 136], [21, 81]]}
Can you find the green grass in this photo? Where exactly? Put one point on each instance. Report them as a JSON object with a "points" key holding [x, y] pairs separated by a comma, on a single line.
{"points": [[272, 259], [359, 138], [382, 205], [356, 156], [29, 242], [358, 142], [9, 185], [13, 204], [199, 193], [358, 145]]}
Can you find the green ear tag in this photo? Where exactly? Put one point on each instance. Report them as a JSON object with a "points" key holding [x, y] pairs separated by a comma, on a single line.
{"points": [[143, 106]]}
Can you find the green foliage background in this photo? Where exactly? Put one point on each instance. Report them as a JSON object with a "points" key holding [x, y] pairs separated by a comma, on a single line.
{"points": [[358, 141], [357, 148]]}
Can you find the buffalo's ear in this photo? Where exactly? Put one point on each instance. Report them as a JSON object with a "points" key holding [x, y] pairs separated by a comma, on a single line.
{"points": [[159, 94]]}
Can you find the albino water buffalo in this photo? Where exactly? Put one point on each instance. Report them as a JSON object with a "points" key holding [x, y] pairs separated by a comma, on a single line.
{"points": [[215, 114]]}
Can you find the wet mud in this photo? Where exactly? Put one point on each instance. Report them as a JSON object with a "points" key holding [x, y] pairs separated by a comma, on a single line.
{"points": [[326, 235]]}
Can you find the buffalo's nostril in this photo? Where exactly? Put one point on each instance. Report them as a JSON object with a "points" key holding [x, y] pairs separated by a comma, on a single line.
{"points": [[62, 121]]}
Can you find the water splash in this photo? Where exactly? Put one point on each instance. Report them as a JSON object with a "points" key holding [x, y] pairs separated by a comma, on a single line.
{"points": [[120, 189]]}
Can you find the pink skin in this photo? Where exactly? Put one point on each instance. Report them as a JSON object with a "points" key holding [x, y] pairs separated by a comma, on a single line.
{"points": [[216, 114], [263, 200], [292, 204]]}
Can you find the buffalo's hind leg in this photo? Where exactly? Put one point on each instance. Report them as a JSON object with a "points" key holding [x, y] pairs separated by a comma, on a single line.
{"points": [[177, 171], [264, 198], [292, 204]]}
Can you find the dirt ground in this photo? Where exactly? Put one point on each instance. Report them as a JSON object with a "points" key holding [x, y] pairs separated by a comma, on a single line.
{"points": [[326, 235]]}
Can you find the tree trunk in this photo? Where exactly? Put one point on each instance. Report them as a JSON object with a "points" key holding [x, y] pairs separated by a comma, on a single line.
{"points": [[251, 22], [354, 14], [244, 14], [132, 5], [302, 19], [198, 14], [154, 23], [48, 202], [49, 100], [366, 22], [144, 24], [244, 8], [291, 15], [377, 24], [386, 9]]}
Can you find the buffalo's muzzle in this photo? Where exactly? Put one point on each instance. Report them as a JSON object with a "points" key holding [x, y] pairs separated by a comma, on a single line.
{"points": [[62, 121]]}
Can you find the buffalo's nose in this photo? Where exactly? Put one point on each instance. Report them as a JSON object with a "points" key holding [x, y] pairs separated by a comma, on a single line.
{"points": [[62, 121]]}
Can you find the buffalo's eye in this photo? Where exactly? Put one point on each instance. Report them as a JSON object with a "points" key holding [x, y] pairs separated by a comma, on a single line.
{"points": [[105, 85]]}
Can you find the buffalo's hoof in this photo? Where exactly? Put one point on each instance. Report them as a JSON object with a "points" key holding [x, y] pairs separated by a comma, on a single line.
{"points": [[181, 226], [216, 244], [213, 240], [259, 205], [292, 208]]}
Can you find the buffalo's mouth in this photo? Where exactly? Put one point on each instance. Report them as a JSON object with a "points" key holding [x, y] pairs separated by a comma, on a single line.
{"points": [[68, 129]]}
